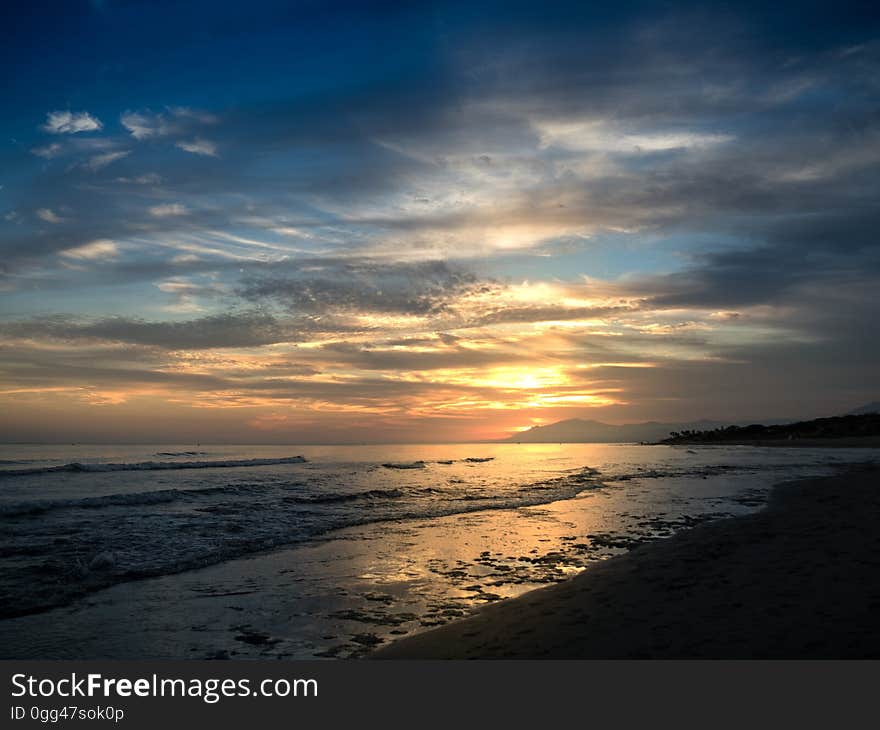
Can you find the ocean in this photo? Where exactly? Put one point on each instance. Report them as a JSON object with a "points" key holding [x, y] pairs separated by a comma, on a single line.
{"points": [[175, 551]]}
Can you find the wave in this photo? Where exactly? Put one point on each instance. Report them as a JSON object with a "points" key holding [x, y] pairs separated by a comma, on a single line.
{"points": [[151, 465], [139, 498], [227, 522], [701, 471], [167, 496], [405, 465], [181, 453], [355, 496], [422, 464], [136, 499]]}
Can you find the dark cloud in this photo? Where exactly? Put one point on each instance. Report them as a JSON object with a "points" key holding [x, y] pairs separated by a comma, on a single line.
{"points": [[523, 315], [753, 129], [244, 329], [284, 155], [364, 286], [367, 358]]}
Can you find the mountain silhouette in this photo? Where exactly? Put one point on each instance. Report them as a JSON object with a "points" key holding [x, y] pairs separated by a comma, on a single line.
{"points": [[576, 430]]}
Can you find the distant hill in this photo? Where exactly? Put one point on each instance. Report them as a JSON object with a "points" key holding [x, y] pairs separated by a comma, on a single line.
{"points": [[576, 430], [856, 426], [868, 408]]}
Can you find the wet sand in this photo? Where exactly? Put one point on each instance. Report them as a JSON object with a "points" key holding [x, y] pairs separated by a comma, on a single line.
{"points": [[800, 579]]}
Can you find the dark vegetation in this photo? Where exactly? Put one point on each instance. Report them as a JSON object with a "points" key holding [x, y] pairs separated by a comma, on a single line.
{"points": [[852, 426]]}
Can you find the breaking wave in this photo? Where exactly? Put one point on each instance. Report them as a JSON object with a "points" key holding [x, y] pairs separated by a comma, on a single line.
{"points": [[405, 465], [151, 465], [181, 453], [163, 531], [353, 497]]}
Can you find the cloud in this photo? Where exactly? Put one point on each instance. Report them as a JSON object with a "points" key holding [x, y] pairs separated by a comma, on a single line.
{"points": [[690, 177], [363, 286], [185, 293], [144, 125], [167, 210], [199, 146], [93, 251], [194, 115], [598, 134], [175, 121], [48, 215], [100, 161], [67, 122], [185, 258], [49, 151], [150, 178], [234, 329]]}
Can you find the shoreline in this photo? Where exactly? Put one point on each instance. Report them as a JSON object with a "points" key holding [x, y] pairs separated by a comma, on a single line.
{"points": [[853, 442], [799, 579], [359, 587]]}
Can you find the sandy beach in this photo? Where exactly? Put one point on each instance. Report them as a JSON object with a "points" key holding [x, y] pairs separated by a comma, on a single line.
{"points": [[799, 579]]}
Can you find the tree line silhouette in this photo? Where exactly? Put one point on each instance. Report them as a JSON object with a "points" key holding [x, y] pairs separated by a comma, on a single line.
{"points": [[855, 426]]}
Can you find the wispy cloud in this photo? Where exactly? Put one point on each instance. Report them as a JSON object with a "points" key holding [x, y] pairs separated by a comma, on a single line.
{"points": [[196, 115], [93, 251], [68, 122], [199, 146], [150, 178], [175, 121], [601, 135], [538, 220], [168, 210], [49, 216], [143, 125], [48, 151], [98, 162]]}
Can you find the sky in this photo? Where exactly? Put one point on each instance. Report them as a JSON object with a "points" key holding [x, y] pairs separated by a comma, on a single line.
{"points": [[315, 222]]}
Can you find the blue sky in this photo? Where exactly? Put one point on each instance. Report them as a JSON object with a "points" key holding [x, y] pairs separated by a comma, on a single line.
{"points": [[294, 221]]}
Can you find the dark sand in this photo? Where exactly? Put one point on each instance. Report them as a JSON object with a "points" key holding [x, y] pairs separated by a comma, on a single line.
{"points": [[800, 579]]}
